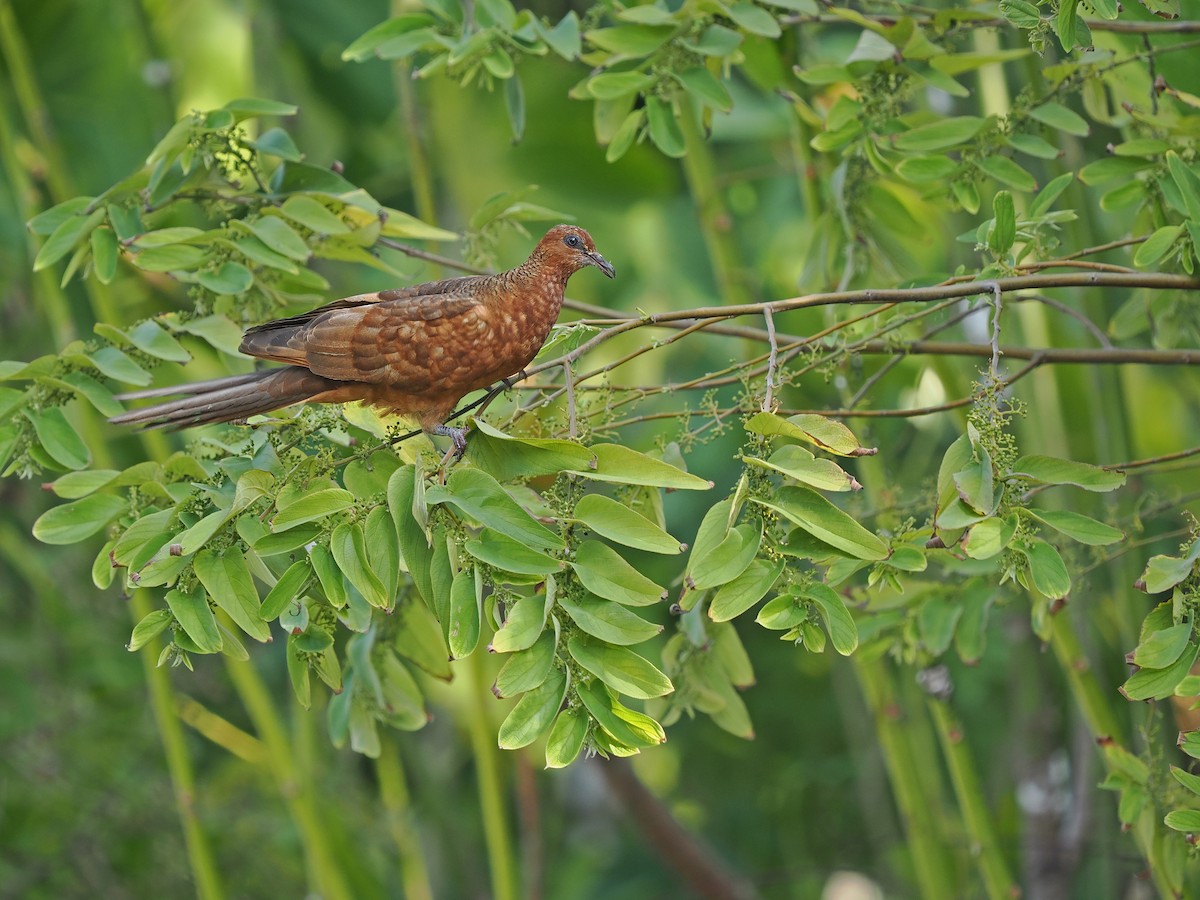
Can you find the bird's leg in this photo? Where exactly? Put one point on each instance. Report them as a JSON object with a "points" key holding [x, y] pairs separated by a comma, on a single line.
{"points": [[458, 438]]}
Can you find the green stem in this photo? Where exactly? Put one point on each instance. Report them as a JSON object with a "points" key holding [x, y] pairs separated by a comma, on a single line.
{"points": [[296, 788], [491, 792], [179, 764], [997, 880], [715, 222], [393, 791], [931, 862], [1148, 832]]}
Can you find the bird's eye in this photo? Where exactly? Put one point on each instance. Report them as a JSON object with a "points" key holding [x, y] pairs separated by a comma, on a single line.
{"points": [[572, 240]]}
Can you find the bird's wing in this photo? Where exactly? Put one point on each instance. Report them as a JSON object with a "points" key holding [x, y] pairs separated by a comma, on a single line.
{"points": [[383, 341]]}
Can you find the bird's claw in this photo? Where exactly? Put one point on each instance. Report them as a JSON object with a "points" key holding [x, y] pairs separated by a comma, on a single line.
{"points": [[458, 440]]}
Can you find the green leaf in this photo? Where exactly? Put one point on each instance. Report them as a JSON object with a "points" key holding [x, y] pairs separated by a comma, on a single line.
{"points": [[1158, 245], [1052, 470], [1032, 145], [414, 543], [563, 38], [988, 538], [201, 533], [621, 141], [837, 619], [664, 127], [313, 215], [1058, 116], [1004, 232], [612, 85], [607, 574], [1187, 820], [1004, 170], [727, 560], [926, 169], [1157, 684], [716, 40], [754, 19], [514, 104], [170, 258], [1047, 569], [940, 135], [608, 621], [115, 364], [1077, 526], [628, 728], [619, 523], [217, 330], [291, 584], [280, 237], [526, 669], [1065, 24], [630, 40], [231, 278], [534, 713], [310, 507], [831, 436], [252, 107], [1164, 572], [151, 626], [228, 582], [74, 485], [566, 738], [1020, 13], [418, 637], [72, 522], [500, 550], [1187, 779], [104, 254], [796, 462], [524, 624], [70, 232], [820, 518], [152, 338], [277, 142], [1164, 9], [58, 437], [621, 669], [196, 618], [1163, 648], [376, 41], [162, 237], [957, 63], [48, 221], [481, 497], [704, 86], [465, 615], [619, 464], [349, 548], [735, 597]]}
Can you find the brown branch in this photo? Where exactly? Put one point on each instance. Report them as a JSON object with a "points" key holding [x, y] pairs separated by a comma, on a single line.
{"points": [[696, 863], [1153, 460], [1119, 27]]}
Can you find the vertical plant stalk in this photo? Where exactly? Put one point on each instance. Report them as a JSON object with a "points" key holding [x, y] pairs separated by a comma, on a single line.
{"points": [[179, 764], [931, 862], [37, 118], [294, 786], [393, 792], [501, 861], [715, 222], [1148, 832], [997, 879]]}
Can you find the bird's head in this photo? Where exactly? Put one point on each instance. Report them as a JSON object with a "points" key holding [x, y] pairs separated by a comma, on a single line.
{"points": [[569, 248]]}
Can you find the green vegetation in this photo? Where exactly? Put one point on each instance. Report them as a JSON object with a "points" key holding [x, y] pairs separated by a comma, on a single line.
{"points": [[867, 481]]}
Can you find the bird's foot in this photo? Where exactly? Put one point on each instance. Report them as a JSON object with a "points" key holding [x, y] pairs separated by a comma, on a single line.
{"points": [[513, 379], [458, 440]]}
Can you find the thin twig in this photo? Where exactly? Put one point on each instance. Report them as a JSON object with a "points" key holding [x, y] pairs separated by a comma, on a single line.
{"points": [[772, 362]]}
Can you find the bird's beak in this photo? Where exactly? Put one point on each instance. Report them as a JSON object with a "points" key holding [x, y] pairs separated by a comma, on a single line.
{"points": [[602, 264]]}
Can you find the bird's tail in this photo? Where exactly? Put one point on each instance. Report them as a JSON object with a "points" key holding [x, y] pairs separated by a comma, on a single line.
{"points": [[225, 399]]}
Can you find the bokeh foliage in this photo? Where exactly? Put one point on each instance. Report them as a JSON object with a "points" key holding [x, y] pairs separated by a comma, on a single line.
{"points": [[1028, 169]]}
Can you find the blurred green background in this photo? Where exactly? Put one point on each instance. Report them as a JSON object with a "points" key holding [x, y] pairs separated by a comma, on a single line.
{"points": [[86, 808]]}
